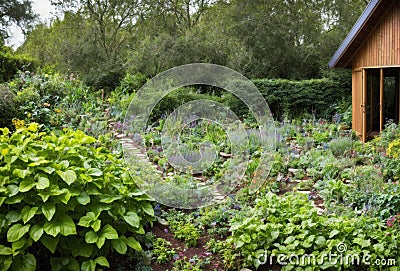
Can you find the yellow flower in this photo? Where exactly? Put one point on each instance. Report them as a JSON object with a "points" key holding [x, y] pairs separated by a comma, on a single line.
{"points": [[46, 104], [4, 151], [18, 123], [33, 127], [29, 115]]}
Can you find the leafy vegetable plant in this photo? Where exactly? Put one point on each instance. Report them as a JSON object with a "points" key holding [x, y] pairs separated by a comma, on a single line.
{"points": [[290, 225], [66, 201]]}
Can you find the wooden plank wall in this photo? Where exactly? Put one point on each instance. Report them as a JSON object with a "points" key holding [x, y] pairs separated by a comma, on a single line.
{"points": [[382, 47], [357, 109]]}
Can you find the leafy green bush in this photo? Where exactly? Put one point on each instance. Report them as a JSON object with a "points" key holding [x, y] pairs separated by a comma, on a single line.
{"points": [[58, 102], [7, 107], [383, 203], [183, 227], [341, 146], [163, 251], [66, 201], [131, 83], [38, 96], [188, 233], [295, 98], [176, 98], [289, 225], [11, 63]]}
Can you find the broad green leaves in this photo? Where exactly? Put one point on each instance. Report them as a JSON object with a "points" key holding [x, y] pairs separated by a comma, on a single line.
{"points": [[68, 176], [289, 225], [27, 184], [59, 264], [16, 232], [62, 224], [148, 209], [132, 219], [5, 250], [83, 198], [26, 263], [21, 173], [108, 232], [90, 220], [42, 181], [121, 244], [36, 232], [27, 213], [50, 242], [94, 172], [91, 265], [48, 210], [64, 196]]}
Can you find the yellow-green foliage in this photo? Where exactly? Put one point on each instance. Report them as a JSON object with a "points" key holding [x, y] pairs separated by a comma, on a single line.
{"points": [[65, 194], [394, 149]]}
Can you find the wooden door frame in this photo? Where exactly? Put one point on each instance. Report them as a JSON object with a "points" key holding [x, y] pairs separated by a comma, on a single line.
{"points": [[363, 105], [381, 99]]}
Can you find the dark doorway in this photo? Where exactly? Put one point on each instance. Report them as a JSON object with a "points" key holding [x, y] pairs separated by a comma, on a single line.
{"points": [[391, 96], [382, 99]]}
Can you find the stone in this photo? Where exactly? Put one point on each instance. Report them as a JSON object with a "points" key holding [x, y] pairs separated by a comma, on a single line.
{"points": [[294, 170], [320, 211], [225, 155], [162, 221], [280, 178], [219, 197]]}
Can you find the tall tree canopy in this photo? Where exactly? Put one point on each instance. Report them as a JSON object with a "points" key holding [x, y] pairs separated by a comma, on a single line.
{"points": [[17, 12], [103, 39]]}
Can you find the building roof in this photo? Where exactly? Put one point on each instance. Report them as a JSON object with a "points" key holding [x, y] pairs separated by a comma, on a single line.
{"points": [[359, 33]]}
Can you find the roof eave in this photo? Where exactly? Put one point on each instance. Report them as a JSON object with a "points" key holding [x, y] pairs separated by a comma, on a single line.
{"points": [[333, 63]]}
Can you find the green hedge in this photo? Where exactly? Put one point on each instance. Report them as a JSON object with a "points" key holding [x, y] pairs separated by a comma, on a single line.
{"points": [[11, 63], [296, 98]]}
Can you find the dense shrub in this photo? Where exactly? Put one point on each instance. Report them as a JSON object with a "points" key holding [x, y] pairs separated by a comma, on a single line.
{"points": [[57, 102], [7, 107], [176, 98], [290, 226], [66, 202], [11, 63], [131, 83], [292, 99]]}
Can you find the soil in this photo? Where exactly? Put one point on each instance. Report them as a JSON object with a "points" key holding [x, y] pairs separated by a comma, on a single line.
{"points": [[162, 231]]}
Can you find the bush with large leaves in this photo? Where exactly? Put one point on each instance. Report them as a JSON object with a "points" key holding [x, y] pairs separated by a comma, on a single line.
{"points": [[66, 202], [283, 228]]}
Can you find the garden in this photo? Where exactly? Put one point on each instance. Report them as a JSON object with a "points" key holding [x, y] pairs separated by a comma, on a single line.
{"points": [[70, 201]]}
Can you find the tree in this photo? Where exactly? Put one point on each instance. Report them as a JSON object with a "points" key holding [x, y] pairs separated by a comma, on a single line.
{"points": [[17, 12], [182, 15], [103, 39], [111, 20]]}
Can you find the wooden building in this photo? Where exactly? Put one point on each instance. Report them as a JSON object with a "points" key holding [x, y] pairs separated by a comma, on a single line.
{"points": [[372, 51]]}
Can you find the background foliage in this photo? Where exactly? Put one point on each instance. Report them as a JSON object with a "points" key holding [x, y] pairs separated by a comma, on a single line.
{"points": [[261, 39]]}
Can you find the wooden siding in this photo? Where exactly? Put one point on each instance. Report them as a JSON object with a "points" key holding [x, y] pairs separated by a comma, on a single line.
{"points": [[358, 103], [382, 46]]}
